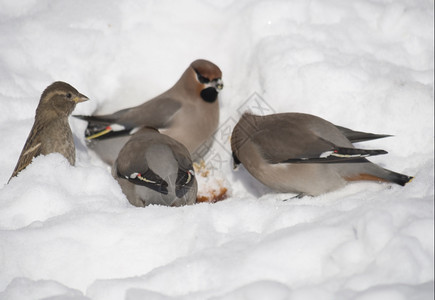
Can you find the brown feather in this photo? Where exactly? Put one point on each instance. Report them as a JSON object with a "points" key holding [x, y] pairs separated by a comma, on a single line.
{"points": [[50, 131]]}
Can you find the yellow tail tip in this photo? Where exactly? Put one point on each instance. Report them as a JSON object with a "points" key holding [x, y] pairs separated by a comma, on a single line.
{"points": [[98, 134], [411, 178]]}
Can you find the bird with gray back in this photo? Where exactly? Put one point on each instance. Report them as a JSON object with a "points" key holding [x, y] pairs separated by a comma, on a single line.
{"points": [[304, 154], [188, 112], [51, 131], [153, 168]]}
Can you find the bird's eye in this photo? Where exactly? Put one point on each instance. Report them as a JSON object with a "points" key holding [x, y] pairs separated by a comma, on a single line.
{"points": [[201, 78], [69, 95]]}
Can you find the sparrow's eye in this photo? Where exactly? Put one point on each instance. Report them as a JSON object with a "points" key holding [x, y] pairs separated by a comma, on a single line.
{"points": [[69, 95]]}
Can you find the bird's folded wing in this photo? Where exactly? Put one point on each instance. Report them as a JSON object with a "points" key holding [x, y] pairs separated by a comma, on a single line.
{"points": [[338, 155], [359, 136], [148, 179], [32, 148], [156, 113], [300, 145], [26, 158], [184, 181], [186, 173]]}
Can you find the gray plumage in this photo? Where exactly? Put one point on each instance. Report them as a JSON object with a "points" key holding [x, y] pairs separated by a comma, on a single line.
{"points": [[188, 112], [301, 153], [51, 131], [359, 136], [153, 168]]}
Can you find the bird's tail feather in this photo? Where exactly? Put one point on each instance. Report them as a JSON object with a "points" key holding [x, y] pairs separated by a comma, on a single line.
{"points": [[400, 179], [373, 172], [99, 127]]}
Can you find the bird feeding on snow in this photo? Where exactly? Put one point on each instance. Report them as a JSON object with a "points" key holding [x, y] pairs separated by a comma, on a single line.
{"points": [[302, 153], [153, 168]]}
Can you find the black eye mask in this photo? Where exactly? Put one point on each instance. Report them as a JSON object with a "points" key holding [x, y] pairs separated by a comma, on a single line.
{"points": [[201, 78], [209, 94]]}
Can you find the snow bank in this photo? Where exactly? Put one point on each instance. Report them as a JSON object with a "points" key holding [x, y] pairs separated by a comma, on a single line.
{"points": [[69, 232]]}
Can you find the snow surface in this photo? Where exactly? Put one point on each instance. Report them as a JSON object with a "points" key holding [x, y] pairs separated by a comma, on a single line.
{"points": [[69, 233]]}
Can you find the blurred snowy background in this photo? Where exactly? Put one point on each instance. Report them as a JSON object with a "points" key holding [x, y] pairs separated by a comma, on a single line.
{"points": [[69, 233]]}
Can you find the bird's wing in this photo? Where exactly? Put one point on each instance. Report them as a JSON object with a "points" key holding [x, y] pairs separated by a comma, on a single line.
{"points": [[31, 149], [156, 113], [139, 173], [359, 136], [132, 165], [290, 142], [186, 174], [149, 179]]}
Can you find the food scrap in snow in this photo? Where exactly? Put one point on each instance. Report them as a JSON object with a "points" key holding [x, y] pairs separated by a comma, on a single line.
{"points": [[212, 187]]}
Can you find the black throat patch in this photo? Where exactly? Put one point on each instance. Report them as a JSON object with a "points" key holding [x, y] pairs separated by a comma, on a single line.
{"points": [[209, 94]]}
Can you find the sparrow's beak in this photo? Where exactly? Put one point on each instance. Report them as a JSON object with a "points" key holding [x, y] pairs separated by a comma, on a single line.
{"points": [[80, 98]]}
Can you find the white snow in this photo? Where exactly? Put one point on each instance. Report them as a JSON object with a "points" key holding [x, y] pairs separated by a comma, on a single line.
{"points": [[69, 232]]}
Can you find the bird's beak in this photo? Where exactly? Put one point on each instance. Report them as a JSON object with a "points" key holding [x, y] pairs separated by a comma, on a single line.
{"points": [[80, 98], [219, 84]]}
